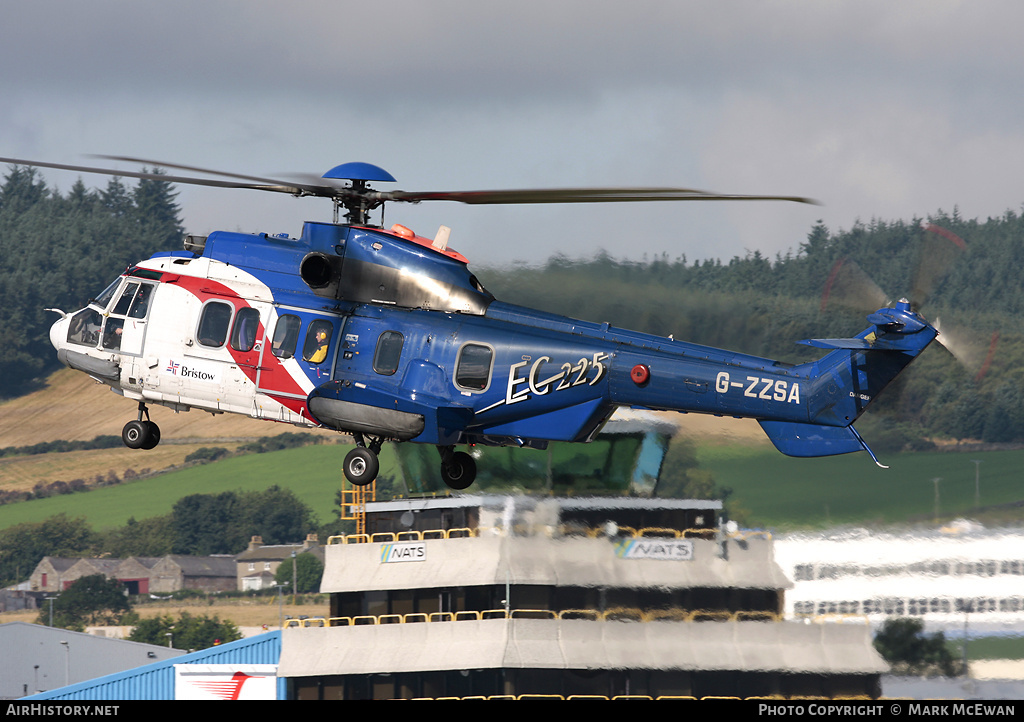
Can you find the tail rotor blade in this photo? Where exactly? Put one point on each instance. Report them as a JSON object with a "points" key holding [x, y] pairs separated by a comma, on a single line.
{"points": [[971, 349], [940, 248], [850, 286]]}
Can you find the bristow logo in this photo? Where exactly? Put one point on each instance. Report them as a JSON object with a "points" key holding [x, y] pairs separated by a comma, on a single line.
{"points": [[190, 372]]}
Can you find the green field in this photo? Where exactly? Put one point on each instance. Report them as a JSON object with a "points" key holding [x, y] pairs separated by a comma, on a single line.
{"points": [[782, 492], [312, 472], [988, 648], [773, 490]]}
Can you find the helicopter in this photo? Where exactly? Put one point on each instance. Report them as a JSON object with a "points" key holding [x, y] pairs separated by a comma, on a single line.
{"points": [[388, 336]]}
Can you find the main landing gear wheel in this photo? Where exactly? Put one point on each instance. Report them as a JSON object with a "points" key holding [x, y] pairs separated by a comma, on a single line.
{"points": [[154, 436], [458, 471], [361, 466], [135, 434], [141, 434]]}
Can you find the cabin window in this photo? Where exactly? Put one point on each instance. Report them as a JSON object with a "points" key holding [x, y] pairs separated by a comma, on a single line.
{"points": [[213, 324], [389, 350], [318, 340], [286, 336], [243, 336], [473, 369]]}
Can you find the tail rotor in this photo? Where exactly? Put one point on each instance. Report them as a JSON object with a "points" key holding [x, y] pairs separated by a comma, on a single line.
{"points": [[850, 286]]}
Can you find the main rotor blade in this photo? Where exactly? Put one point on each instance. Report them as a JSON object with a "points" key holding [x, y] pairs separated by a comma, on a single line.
{"points": [[162, 164], [579, 195], [368, 198], [292, 189]]}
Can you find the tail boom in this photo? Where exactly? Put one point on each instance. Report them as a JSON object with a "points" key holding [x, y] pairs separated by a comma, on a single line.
{"points": [[806, 410]]}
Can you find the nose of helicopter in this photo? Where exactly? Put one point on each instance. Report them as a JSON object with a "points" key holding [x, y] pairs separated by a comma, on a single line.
{"points": [[59, 332]]}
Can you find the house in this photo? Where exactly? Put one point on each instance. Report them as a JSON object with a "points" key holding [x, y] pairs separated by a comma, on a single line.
{"points": [[140, 575], [48, 576], [209, 574], [135, 572], [258, 564]]}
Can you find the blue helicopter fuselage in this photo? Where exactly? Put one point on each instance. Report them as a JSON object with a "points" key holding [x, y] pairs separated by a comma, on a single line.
{"points": [[403, 342]]}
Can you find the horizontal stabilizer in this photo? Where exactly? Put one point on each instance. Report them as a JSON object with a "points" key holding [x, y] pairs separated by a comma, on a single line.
{"points": [[796, 439], [856, 344]]}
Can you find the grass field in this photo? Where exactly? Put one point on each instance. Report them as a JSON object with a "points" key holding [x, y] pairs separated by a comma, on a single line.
{"points": [[312, 472], [781, 492], [989, 648], [775, 491]]}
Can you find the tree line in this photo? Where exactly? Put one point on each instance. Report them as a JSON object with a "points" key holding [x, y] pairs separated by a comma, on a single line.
{"points": [[199, 525], [58, 250], [94, 600], [761, 306]]}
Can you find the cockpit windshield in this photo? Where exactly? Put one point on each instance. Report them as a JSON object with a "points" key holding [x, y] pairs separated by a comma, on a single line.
{"points": [[108, 293]]}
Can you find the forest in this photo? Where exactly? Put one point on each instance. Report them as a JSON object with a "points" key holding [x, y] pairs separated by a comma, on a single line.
{"points": [[762, 306], [56, 250]]}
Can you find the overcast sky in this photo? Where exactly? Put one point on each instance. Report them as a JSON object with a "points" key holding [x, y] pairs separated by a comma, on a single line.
{"points": [[884, 110]]}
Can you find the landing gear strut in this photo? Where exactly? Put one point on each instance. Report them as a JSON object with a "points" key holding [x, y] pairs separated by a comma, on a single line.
{"points": [[141, 434], [458, 469], [362, 464]]}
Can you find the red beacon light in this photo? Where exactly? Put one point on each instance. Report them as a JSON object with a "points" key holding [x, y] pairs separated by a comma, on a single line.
{"points": [[439, 243], [640, 374]]}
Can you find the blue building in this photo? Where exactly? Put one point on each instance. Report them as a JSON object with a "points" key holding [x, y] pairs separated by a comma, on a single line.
{"points": [[246, 669]]}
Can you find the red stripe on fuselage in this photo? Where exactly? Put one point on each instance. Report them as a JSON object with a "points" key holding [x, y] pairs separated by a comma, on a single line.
{"points": [[248, 361]]}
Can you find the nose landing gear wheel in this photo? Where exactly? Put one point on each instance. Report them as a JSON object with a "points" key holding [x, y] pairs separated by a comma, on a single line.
{"points": [[458, 471], [361, 466]]}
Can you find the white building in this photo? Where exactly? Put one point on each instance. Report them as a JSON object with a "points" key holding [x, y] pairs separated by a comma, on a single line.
{"points": [[941, 576]]}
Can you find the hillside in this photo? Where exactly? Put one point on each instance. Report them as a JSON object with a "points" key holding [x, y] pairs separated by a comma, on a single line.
{"points": [[73, 407]]}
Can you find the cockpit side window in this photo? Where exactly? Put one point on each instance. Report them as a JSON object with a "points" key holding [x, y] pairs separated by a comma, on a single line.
{"points": [[213, 324], [140, 306], [318, 340], [84, 328], [112, 331], [127, 295]]}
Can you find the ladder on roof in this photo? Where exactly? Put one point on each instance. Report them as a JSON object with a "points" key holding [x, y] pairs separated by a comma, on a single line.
{"points": [[353, 502]]}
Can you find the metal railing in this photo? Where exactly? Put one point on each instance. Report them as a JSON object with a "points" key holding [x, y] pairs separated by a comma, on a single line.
{"points": [[617, 614], [389, 537]]}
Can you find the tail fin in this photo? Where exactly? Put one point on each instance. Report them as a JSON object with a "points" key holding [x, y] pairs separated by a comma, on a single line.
{"points": [[848, 379]]}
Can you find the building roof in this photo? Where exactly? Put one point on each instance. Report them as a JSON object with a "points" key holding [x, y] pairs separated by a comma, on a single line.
{"points": [[498, 501], [43, 661], [213, 566], [277, 553], [156, 681], [59, 564]]}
